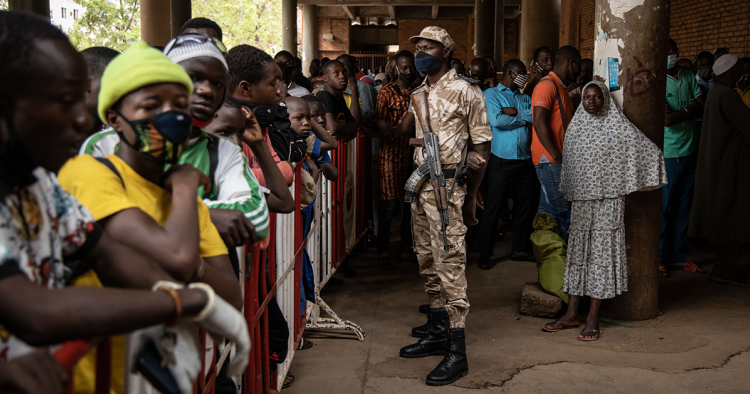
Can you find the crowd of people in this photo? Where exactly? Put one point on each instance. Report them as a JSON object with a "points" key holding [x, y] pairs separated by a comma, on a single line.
{"points": [[129, 179]]}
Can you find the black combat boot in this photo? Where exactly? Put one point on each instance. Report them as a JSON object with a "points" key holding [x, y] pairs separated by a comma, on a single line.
{"points": [[424, 309], [435, 343], [454, 364], [421, 331]]}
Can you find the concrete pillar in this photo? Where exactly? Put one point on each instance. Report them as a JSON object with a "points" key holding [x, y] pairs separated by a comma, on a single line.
{"points": [[36, 7], [499, 34], [484, 28], [156, 28], [289, 24], [309, 36], [540, 26], [181, 11], [631, 54]]}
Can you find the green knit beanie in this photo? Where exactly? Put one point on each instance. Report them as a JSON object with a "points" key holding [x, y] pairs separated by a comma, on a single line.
{"points": [[138, 66]]}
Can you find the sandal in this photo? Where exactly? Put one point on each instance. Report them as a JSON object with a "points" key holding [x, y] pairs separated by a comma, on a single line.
{"points": [[385, 263], [304, 344], [585, 335], [556, 326], [688, 267], [288, 380], [729, 282], [663, 273]]}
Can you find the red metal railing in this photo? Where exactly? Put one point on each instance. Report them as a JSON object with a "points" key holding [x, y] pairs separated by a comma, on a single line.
{"points": [[262, 282]]}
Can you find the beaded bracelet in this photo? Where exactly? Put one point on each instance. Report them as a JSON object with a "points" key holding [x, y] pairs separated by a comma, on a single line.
{"points": [[177, 303]]}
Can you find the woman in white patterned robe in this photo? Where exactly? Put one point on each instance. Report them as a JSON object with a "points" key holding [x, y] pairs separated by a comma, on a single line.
{"points": [[605, 158]]}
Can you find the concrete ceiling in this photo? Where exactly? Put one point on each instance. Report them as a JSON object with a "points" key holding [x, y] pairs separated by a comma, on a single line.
{"points": [[402, 9]]}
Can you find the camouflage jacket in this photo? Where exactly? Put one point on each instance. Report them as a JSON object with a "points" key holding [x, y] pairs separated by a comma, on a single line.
{"points": [[457, 110]]}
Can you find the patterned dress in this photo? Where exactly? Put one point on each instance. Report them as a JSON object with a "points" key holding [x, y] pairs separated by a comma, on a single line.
{"points": [[605, 158], [395, 158]]}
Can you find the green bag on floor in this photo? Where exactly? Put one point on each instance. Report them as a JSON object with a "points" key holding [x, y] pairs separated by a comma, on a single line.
{"points": [[550, 251]]}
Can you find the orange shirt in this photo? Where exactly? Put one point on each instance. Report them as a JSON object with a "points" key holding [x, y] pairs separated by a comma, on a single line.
{"points": [[545, 96]]}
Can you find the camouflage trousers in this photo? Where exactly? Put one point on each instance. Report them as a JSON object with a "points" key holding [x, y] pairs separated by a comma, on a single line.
{"points": [[443, 272]]}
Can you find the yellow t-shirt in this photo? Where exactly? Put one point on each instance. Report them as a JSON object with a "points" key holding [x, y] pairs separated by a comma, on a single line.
{"points": [[101, 191]]}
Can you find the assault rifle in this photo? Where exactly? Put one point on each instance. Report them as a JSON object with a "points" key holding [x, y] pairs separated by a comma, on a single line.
{"points": [[431, 167]]}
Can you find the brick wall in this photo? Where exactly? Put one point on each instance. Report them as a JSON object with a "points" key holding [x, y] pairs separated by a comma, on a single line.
{"points": [[696, 25], [577, 25], [340, 29], [704, 25], [458, 29]]}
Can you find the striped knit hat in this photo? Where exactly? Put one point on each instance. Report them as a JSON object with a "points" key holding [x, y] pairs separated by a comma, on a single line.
{"points": [[183, 48]]}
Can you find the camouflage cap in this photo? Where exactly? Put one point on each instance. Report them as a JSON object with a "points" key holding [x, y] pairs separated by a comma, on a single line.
{"points": [[435, 33]]}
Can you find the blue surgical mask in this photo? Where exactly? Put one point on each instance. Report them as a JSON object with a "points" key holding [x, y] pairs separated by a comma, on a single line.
{"points": [[425, 62], [671, 61]]}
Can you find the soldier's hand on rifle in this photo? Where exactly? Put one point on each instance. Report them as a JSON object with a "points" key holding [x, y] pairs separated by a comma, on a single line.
{"points": [[470, 210], [475, 160]]}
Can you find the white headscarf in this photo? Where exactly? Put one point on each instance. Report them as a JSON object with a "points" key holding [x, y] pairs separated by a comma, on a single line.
{"points": [[606, 156]]}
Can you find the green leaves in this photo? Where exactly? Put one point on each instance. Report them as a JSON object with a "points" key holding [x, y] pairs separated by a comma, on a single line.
{"points": [[253, 22], [114, 24], [117, 24]]}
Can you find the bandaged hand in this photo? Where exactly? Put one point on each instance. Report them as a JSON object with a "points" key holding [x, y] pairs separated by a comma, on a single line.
{"points": [[222, 320]]}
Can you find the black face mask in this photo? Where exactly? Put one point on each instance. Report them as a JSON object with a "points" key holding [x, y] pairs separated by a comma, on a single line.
{"points": [[408, 78], [14, 157], [266, 114]]}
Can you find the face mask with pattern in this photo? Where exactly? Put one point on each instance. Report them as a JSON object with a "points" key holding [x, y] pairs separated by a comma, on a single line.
{"points": [[162, 136]]}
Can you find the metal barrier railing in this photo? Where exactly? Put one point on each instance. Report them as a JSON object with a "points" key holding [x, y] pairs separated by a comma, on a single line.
{"points": [[338, 225]]}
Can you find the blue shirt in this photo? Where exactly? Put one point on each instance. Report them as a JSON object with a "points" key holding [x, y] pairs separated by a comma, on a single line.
{"points": [[511, 139]]}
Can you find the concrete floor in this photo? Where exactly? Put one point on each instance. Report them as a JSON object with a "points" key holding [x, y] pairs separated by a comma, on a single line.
{"points": [[699, 344]]}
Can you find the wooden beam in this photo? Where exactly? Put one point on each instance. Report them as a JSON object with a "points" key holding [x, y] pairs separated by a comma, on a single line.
{"points": [[435, 9], [349, 11], [392, 12], [367, 3]]}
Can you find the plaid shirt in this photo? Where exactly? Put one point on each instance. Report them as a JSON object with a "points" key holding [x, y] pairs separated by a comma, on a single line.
{"points": [[395, 153]]}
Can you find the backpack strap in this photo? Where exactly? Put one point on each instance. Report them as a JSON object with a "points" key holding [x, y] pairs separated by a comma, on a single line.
{"points": [[559, 104], [111, 167], [213, 157]]}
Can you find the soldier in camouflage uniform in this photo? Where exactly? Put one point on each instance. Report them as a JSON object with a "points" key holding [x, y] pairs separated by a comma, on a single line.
{"points": [[459, 118]]}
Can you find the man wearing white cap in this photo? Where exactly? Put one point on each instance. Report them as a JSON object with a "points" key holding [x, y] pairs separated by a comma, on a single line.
{"points": [[457, 115], [722, 182]]}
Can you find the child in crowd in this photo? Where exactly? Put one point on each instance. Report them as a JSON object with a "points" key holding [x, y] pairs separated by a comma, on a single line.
{"points": [[254, 81], [342, 120], [97, 59], [318, 115], [320, 141], [145, 98], [229, 122]]}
